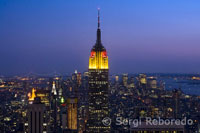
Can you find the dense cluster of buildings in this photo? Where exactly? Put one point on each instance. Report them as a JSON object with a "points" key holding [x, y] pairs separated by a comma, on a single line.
{"points": [[81, 102]]}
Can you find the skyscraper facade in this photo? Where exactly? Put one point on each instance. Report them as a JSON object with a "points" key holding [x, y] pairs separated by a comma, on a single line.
{"points": [[98, 86], [72, 113], [36, 115]]}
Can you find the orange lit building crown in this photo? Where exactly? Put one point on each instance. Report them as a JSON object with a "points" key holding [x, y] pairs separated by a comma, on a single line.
{"points": [[98, 60], [98, 57]]}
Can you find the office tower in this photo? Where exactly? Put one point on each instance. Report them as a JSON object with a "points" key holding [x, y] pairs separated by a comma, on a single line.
{"points": [[60, 90], [64, 120], [36, 117], [63, 115], [57, 87], [143, 82], [125, 79], [116, 78], [53, 91], [44, 96], [74, 77], [79, 79], [142, 79], [132, 84], [53, 109], [72, 104], [176, 103], [98, 86], [76, 80], [152, 82], [83, 104]]}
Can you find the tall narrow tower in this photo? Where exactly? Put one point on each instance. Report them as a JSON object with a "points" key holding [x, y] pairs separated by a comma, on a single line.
{"points": [[36, 117], [98, 86], [72, 113]]}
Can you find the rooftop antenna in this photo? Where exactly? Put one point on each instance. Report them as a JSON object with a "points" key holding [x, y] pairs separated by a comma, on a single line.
{"points": [[98, 18]]}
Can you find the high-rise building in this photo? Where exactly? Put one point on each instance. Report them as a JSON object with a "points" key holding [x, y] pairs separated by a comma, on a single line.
{"points": [[72, 113], [176, 105], [36, 117], [116, 78], [142, 79], [125, 79], [131, 83], [79, 79], [53, 108], [152, 82], [98, 86], [143, 82], [54, 88], [64, 120], [44, 96]]}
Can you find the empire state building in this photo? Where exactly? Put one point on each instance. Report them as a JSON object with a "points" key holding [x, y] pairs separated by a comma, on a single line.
{"points": [[98, 86]]}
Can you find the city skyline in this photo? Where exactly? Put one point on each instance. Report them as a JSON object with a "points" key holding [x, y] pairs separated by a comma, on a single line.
{"points": [[150, 36], [97, 98]]}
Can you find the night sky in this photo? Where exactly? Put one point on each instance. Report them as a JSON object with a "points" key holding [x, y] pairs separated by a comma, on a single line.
{"points": [[44, 36]]}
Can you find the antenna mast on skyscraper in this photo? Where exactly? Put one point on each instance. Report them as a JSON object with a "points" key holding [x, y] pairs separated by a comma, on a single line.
{"points": [[98, 18]]}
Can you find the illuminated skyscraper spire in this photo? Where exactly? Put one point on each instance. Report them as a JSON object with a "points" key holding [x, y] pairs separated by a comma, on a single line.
{"points": [[98, 86], [54, 88], [98, 58], [98, 42], [98, 18]]}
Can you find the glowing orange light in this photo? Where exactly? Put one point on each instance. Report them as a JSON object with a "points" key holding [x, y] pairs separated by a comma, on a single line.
{"points": [[98, 60], [104, 54], [32, 96], [92, 54]]}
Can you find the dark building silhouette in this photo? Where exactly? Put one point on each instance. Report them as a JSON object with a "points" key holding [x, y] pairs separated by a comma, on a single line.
{"points": [[36, 117]]}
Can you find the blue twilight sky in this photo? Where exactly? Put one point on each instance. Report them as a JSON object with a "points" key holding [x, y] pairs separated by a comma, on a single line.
{"points": [[45, 36]]}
